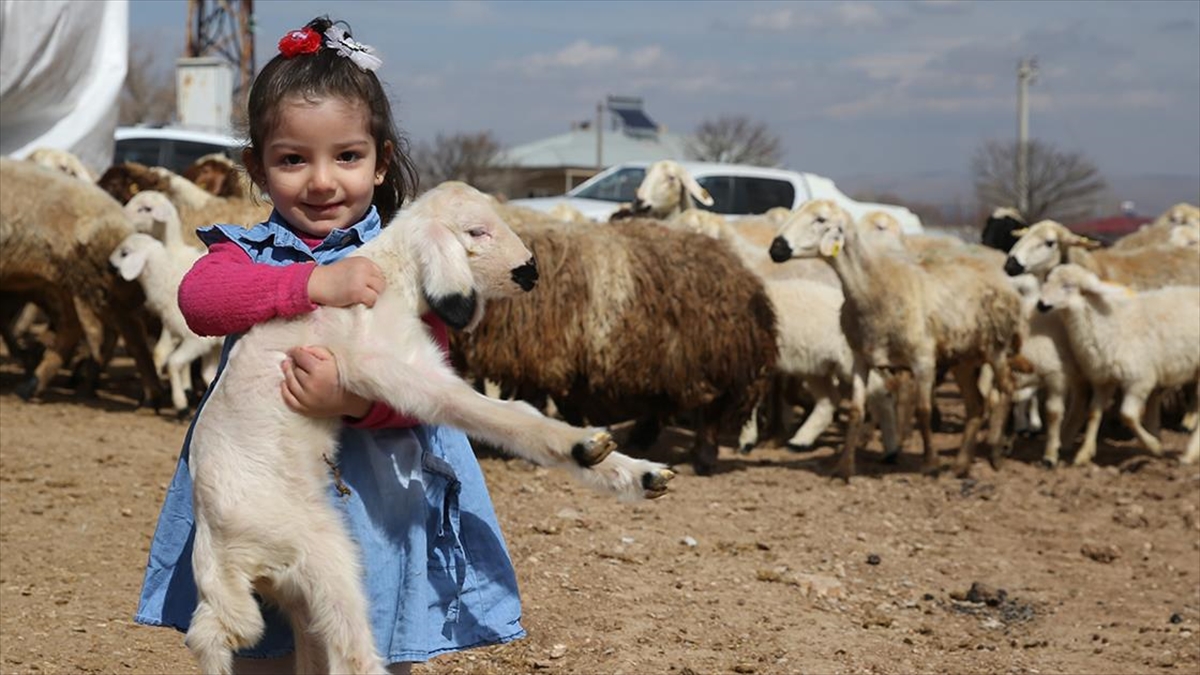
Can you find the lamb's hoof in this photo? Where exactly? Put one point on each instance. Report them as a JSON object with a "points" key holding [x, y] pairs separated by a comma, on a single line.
{"points": [[962, 470], [655, 482], [181, 414], [745, 449], [932, 470], [594, 450], [796, 447], [891, 457], [28, 388], [1048, 463]]}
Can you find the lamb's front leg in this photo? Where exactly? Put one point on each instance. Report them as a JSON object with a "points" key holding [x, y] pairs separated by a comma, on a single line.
{"points": [[423, 385]]}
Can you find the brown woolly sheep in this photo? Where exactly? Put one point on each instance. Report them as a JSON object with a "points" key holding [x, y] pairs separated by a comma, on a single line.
{"points": [[220, 176], [632, 320], [56, 233]]}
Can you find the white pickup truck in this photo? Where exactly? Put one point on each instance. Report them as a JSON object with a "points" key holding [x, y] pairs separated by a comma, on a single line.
{"points": [[737, 190]]}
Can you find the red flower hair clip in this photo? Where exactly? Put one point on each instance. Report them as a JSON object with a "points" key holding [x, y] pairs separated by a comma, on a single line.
{"points": [[300, 41]]}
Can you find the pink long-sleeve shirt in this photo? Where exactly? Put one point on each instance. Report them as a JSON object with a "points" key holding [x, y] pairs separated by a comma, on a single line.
{"points": [[225, 292]]}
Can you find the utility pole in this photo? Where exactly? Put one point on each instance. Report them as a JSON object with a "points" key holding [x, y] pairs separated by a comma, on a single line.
{"points": [[600, 136], [224, 28], [1026, 71]]}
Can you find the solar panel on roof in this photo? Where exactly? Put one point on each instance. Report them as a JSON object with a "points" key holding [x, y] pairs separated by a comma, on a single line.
{"points": [[634, 119]]}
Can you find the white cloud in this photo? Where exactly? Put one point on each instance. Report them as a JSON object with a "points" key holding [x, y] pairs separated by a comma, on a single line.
{"points": [[583, 55], [857, 14]]}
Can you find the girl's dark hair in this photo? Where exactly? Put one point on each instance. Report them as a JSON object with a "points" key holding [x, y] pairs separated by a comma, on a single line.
{"points": [[322, 74]]}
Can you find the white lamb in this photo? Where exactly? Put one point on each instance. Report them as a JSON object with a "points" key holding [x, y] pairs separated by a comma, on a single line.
{"points": [[159, 270], [666, 190], [1135, 342], [263, 520]]}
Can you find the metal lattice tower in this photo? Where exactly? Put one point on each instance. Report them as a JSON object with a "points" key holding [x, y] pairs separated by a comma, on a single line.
{"points": [[224, 28]]}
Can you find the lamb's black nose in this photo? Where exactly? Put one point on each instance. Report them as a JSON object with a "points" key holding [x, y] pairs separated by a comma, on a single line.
{"points": [[1043, 307], [526, 275], [1013, 268], [780, 250]]}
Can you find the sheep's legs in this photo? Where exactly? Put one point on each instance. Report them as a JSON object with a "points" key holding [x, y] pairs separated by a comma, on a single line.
{"points": [[973, 400], [923, 381], [854, 425], [1101, 394], [1133, 406], [997, 415], [67, 333], [882, 406], [179, 365], [1193, 447], [422, 384], [1055, 410], [820, 417]]}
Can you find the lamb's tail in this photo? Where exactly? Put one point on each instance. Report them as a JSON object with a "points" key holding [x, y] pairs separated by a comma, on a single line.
{"points": [[227, 617]]}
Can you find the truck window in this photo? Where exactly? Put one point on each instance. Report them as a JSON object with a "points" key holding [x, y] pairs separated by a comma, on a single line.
{"points": [[187, 152], [721, 188], [146, 151], [620, 186], [759, 195]]}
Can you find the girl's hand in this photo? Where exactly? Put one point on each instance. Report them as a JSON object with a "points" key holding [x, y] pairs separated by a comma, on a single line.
{"points": [[311, 386], [350, 281]]}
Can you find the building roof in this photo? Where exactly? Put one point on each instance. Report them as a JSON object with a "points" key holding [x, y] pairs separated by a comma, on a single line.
{"points": [[577, 148], [1113, 226]]}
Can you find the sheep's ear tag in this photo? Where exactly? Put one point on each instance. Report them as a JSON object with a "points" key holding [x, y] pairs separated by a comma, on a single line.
{"points": [[837, 248]]}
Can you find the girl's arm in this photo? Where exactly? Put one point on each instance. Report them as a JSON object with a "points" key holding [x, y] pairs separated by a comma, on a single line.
{"points": [[226, 292]]}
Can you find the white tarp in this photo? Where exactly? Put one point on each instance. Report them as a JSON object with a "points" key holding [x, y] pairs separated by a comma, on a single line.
{"points": [[62, 67]]}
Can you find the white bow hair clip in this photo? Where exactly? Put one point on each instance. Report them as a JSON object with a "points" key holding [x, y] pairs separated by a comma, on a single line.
{"points": [[362, 55]]}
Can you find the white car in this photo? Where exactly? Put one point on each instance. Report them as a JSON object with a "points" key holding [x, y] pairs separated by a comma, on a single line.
{"points": [[737, 190], [174, 148]]}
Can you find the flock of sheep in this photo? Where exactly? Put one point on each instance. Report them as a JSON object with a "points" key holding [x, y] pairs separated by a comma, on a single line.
{"points": [[671, 314]]}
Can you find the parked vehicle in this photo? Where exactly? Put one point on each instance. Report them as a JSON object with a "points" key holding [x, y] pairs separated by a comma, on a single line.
{"points": [[737, 190], [174, 148]]}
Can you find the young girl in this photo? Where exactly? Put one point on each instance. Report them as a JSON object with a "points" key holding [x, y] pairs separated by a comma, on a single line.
{"points": [[436, 570]]}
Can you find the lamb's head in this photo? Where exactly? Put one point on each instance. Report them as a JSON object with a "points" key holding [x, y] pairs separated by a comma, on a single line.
{"points": [[467, 253], [1042, 246], [1185, 236], [817, 229], [130, 256], [664, 191], [1072, 286], [150, 211], [1182, 214], [217, 174], [63, 161], [126, 179]]}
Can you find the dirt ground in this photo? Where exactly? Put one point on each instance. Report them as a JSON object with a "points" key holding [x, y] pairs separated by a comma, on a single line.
{"points": [[769, 566]]}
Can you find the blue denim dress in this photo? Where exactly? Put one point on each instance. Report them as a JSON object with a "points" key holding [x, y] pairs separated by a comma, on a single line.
{"points": [[437, 573]]}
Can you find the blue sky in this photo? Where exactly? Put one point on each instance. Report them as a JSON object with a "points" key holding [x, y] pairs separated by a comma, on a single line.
{"points": [[862, 88]]}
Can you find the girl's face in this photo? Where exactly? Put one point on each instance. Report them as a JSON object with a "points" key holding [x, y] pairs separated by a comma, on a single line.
{"points": [[319, 164]]}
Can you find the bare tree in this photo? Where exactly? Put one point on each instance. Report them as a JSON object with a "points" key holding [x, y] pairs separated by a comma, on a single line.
{"points": [[1064, 186], [735, 139], [148, 96], [470, 158]]}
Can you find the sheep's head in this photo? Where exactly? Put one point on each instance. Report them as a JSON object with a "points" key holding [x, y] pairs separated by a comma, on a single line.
{"points": [[130, 256], [817, 229], [126, 179], [881, 222], [1185, 236], [1182, 214], [1071, 286], [216, 174], [664, 191], [468, 254], [150, 211], [1042, 246], [62, 161]]}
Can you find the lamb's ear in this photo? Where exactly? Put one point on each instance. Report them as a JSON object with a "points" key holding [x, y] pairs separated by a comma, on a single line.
{"points": [[460, 312], [700, 194], [1072, 239], [130, 267], [162, 211], [1020, 232], [446, 276], [832, 241]]}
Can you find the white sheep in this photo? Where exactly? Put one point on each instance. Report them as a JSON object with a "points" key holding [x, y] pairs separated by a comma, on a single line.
{"points": [[1135, 342], [1048, 243], [263, 519], [813, 349], [901, 315], [159, 270], [666, 190], [62, 160], [1160, 230]]}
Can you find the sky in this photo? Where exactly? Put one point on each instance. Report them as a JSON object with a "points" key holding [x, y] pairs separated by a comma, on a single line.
{"points": [[901, 87]]}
